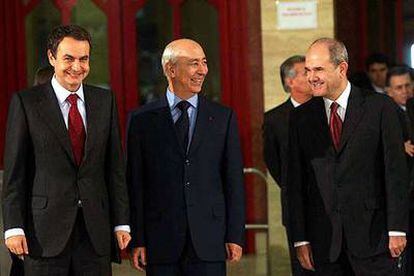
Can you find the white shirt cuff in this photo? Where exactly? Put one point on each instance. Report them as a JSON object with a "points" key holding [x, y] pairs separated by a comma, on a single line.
{"points": [[125, 228], [396, 234], [13, 232], [300, 243]]}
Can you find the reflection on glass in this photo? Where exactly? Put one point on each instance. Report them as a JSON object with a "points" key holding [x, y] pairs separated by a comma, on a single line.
{"points": [[39, 23], [89, 16], [200, 22], [154, 32]]}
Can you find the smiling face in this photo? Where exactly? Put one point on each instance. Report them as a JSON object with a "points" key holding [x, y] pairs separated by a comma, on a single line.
{"points": [[324, 77], [71, 62], [400, 88], [186, 75]]}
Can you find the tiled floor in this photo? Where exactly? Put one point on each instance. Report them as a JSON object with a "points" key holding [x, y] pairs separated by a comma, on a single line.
{"points": [[251, 265]]}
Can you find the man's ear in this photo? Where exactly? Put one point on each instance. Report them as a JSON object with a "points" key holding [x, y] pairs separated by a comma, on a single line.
{"points": [[51, 58], [343, 68], [171, 70], [289, 82]]}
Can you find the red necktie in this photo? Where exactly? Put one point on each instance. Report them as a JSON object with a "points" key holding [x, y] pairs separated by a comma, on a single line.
{"points": [[335, 125], [76, 129]]}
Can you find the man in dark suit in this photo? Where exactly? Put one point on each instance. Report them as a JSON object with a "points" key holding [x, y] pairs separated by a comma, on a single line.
{"points": [[275, 135], [185, 174], [347, 179], [399, 87], [64, 178]]}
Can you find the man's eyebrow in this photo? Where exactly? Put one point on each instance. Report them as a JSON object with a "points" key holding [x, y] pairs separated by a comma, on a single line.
{"points": [[70, 56], [197, 59]]}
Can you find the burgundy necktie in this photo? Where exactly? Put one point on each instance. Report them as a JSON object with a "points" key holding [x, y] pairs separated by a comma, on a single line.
{"points": [[335, 125], [76, 129]]}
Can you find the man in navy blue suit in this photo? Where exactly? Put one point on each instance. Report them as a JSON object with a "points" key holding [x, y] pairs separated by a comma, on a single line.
{"points": [[185, 175]]}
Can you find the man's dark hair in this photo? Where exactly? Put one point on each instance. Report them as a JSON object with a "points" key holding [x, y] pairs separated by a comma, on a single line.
{"points": [[62, 31], [287, 71], [377, 58], [397, 71]]}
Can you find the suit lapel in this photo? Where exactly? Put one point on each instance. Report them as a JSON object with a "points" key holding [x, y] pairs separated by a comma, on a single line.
{"points": [[320, 125], [201, 124], [91, 107], [355, 111], [48, 109], [165, 123]]}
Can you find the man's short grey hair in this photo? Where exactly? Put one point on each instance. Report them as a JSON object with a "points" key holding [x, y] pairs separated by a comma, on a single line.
{"points": [[337, 49], [287, 70], [170, 55]]}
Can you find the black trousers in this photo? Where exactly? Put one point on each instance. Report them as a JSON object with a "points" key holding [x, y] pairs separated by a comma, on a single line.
{"points": [[188, 265], [78, 257], [349, 265], [17, 267]]}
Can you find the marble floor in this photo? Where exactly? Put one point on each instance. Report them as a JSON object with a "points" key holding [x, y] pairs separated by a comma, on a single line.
{"points": [[250, 265]]}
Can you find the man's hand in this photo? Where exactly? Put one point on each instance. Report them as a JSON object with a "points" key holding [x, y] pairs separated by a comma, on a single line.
{"points": [[304, 254], [17, 245], [123, 239], [138, 258], [234, 252], [397, 245], [409, 148]]}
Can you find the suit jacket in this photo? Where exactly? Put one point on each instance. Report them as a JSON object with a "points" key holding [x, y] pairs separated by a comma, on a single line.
{"points": [[275, 150], [42, 184], [357, 194], [409, 127], [173, 192]]}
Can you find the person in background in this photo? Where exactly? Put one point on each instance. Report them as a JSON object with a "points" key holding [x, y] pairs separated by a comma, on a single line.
{"points": [[275, 136], [377, 66], [43, 75]]}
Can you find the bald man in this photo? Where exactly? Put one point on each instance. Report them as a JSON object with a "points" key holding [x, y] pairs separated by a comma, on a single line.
{"points": [[185, 175]]}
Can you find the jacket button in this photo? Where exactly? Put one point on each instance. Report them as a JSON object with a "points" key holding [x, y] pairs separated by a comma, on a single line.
{"points": [[79, 203], [187, 162]]}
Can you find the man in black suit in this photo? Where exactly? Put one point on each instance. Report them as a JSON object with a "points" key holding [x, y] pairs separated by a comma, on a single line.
{"points": [[399, 87], [64, 179], [275, 135], [347, 173], [185, 174]]}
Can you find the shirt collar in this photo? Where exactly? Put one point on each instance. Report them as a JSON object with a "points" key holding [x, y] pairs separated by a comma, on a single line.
{"points": [[173, 100], [295, 103], [62, 93], [378, 89], [342, 100]]}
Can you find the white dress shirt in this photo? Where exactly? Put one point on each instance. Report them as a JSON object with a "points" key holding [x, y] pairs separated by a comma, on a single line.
{"points": [[295, 103], [61, 95], [342, 102]]}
